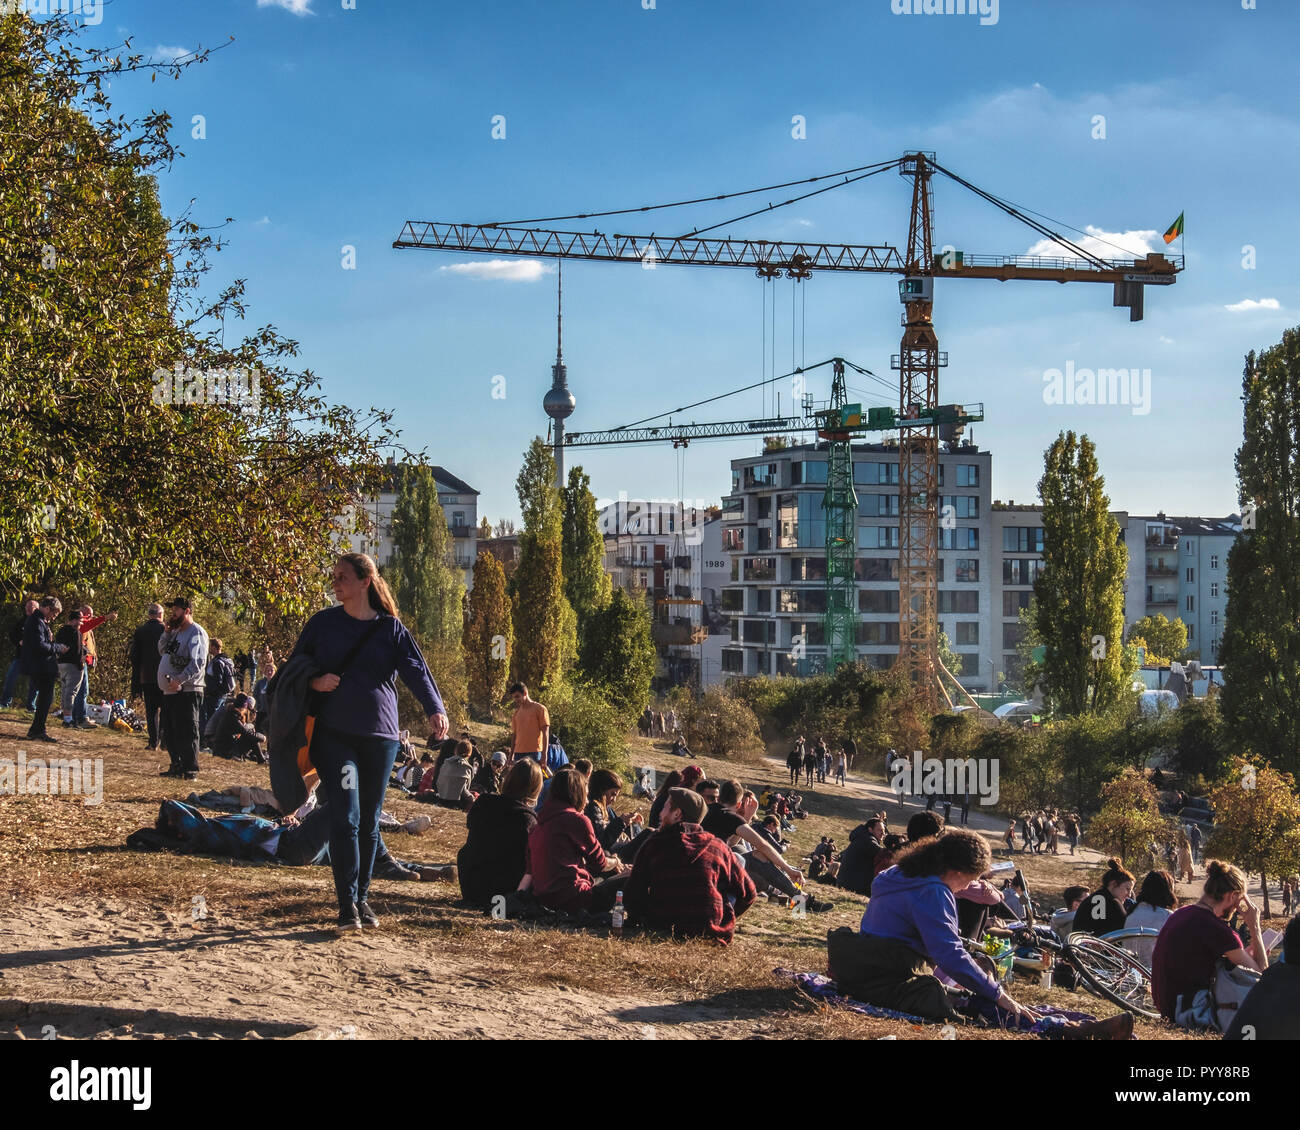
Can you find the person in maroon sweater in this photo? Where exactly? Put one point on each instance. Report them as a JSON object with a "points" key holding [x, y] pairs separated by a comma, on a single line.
{"points": [[686, 880], [564, 855]]}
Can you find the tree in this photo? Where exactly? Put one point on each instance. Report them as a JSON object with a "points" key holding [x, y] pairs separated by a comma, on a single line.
{"points": [[1079, 595], [504, 528], [1164, 639], [1256, 821], [618, 654], [484, 528], [718, 724], [1129, 819], [425, 582], [1260, 652], [127, 457], [543, 630], [488, 636], [586, 584]]}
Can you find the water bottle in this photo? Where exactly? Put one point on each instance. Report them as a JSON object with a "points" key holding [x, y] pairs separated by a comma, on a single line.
{"points": [[616, 916]]}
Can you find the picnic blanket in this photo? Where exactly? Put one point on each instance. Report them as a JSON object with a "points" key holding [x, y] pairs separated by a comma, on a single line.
{"points": [[981, 1012]]}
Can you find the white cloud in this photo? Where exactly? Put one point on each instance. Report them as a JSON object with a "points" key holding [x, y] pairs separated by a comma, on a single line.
{"points": [[1103, 244], [804, 223], [168, 54], [262, 222], [1254, 304], [507, 270], [1166, 340], [297, 7]]}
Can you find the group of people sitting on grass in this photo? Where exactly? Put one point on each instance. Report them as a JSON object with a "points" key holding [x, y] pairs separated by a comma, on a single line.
{"points": [[700, 859]]}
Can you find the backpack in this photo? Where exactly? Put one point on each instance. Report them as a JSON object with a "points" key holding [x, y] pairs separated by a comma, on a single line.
{"points": [[220, 678]]}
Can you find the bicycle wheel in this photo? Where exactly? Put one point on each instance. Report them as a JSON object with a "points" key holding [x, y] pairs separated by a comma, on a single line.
{"points": [[1112, 973]]}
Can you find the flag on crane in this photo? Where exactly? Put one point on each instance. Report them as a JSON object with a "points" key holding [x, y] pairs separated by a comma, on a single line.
{"points": [[1175, 229]]}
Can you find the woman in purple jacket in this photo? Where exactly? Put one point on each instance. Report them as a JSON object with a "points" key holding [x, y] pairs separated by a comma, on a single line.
{"points": [[361, 646]]}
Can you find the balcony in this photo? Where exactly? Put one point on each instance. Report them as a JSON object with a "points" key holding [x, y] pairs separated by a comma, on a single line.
{"points": [[632, 563], [1168, 540], [682, 561], [1157, 570], [462, 531], [1155, 599], [680, 633]]}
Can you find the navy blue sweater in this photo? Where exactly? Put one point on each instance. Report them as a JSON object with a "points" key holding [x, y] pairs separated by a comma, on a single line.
{"points": [[365, 701]]}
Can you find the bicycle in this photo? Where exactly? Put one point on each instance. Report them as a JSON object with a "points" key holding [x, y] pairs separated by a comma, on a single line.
{"points": [[1106, 969]]}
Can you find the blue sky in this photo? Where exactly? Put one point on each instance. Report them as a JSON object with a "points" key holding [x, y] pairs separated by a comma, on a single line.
{"points": [[328, 127]]}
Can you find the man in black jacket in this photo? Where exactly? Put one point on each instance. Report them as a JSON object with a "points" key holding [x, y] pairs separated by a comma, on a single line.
{"points": [[16, 667], [40, 659], [858, 860], [1271, 1010], [143, 657]]}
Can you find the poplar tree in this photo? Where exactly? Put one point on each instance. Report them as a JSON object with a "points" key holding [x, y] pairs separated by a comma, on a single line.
{"points": [[1079, 595], [425, 581], [618, 654], [586, 584], [1260, 652], [488, 636]]}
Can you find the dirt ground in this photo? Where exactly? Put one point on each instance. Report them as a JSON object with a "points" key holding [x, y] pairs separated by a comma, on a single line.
{"points": [[98, 941]]}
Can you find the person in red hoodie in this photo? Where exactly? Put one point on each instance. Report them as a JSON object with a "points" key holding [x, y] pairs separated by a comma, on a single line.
{"points": [[564, 855], [685, 879]]}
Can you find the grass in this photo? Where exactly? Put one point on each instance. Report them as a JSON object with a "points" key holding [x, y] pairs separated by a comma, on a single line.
{"points": [[59, 848]]}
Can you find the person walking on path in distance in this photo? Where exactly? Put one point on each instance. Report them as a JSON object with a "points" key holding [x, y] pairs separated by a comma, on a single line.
{"points": [[361, 647]]}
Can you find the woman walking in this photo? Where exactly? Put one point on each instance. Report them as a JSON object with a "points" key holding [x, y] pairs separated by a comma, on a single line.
{"points": [[360, 647]]}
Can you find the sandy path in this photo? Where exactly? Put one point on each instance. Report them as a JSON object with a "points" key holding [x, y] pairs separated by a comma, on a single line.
{"points": [[67, 964]]}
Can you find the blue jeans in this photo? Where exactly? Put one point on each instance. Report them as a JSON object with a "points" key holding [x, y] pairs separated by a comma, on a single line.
{"points": [[354, 771], [79, 702], [11, 685]]}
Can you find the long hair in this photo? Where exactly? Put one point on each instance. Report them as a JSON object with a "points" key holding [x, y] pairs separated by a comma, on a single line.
{"points": [[670, 782], [379, 594], [523, 782], [957, 849], [1158, 890]]}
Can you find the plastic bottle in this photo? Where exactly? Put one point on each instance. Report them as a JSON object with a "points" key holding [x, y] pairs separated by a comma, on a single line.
{"points": [[616, 916]]}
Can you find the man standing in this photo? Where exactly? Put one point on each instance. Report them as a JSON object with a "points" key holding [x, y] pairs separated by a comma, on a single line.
{"points": [[218, 681], [16, 667], [41, 662], [183, 648], [142, 655], [530, 726], [89, 622]]}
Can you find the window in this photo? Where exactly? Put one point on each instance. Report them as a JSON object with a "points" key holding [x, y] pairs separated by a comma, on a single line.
{"points": [[968, 569], [880, 601], [877, 537], [733, 661], [877, 631], [787, 522], [1191, 576], [879, 506], [735, 568], [963, 505], [1214, 561], [762, 475], [802, 600], [1191, 604], [964, 537], [875, 568], [759, 568], [968, 475], [764, 539], [1191, 547], [1214, 648], [875, 474], [812, 631], [733, 539], [807, 472], [1012, 634], [1214, 618], [733, 629], [765, 506], [807, 568], [762, 600], [1022, 539], [1191, 632], [1214, 588], [760, 631], [812, 522], [1013, 602], [968, 631], [962, 601], [733, 600], [1021, 570], [733, 508]]}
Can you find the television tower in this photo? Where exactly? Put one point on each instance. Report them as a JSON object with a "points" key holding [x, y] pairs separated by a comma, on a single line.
{"points": [[559, 402]]}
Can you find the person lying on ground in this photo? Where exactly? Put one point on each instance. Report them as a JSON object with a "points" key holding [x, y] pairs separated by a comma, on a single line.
{"points": [[564, 857], [763, 862], [1271, 1010], [494, 858], [910, 929], [1102, 912], [611, 829], [1155, 902], [1188, 949], [685, 880]]}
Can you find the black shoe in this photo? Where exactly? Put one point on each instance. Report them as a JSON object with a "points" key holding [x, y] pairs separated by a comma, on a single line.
{"points": [[367, 916], [42, 738], [170, 773], [190, 776], [348, 922], [817, 906]]}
